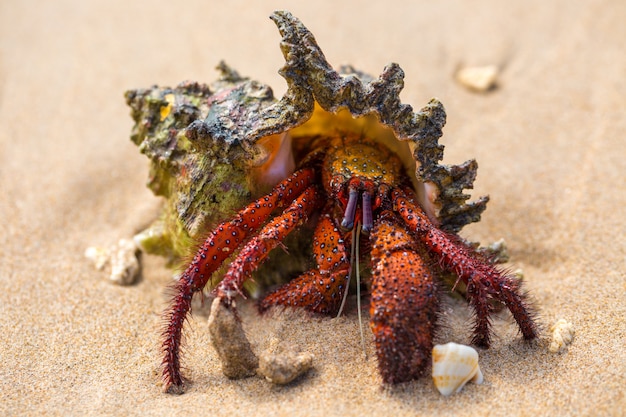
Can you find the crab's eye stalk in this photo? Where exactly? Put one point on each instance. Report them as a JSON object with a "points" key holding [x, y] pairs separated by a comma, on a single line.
{"points": [[348, 216], [367, 213], [350, 213]]}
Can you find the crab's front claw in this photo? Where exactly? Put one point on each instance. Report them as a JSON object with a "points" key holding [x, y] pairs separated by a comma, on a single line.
{"points": [[403, 306], [230, 341]]}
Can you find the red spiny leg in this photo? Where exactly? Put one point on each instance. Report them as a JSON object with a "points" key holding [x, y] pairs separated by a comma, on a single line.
{"points": [[483, 280], [318, 290], [220, 243], [272, 234], [403, 308]]}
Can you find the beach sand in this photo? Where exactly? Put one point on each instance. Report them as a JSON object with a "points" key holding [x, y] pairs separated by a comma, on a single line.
{"points": [[549, 141]]}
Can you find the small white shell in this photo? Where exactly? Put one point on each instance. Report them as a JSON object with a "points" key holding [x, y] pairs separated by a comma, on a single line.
{"points": [[562, 335], [453, 366]]}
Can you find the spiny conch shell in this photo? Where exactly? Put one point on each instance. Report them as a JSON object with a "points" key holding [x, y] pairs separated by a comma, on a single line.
{"points": [[214, 147], [453, 366]]}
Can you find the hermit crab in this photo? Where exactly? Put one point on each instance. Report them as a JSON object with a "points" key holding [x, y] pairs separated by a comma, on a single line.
{"points": [[338, 156]]}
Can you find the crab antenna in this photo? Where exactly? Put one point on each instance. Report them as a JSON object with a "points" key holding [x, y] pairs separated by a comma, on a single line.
{"points": [[358, 289], [345, 294], [348, 217], [367, 213], [354, 260]]}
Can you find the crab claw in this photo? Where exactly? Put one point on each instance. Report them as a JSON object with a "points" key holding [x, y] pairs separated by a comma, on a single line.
{"points": [[404, 302]]}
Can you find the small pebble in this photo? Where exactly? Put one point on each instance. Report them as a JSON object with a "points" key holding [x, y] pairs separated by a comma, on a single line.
{"points": [[281, 365], [230, 342], [480, 79]]}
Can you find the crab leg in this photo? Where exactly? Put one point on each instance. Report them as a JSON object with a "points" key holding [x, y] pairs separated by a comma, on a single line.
{"points": [[220, 243], [483, 279], [403, 306], [257, 249], [320, 289]]}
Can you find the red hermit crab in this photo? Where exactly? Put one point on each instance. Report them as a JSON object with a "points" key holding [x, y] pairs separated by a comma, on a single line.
{"points": [[339, 153]]}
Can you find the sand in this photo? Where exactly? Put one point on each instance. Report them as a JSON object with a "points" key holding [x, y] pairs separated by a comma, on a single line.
{"points": [[549, 140]]}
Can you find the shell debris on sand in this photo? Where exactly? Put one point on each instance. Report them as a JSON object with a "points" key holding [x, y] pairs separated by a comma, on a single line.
{"points": [[562, 335], [282, 364], [122, 258], [453, 366]]}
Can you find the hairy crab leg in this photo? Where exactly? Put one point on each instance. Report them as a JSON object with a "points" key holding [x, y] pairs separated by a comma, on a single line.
{"points": [[319, 290], [220, 243], [483, 279], [272, 234], [403, 308]]}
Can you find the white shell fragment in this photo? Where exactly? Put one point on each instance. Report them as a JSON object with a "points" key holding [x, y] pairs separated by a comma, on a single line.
{"points": [[99, 256], [453, 366], [478, 79], [562, 335], [121, 258]]}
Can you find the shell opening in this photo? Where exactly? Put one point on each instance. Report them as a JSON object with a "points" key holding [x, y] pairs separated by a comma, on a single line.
{"points": [[277, 163]]}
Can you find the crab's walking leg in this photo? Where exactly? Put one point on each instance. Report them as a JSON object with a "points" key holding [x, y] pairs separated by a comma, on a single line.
{"points": [[403, 309], [483, 279], [272, 234], [217, 247], [321, 289]]}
